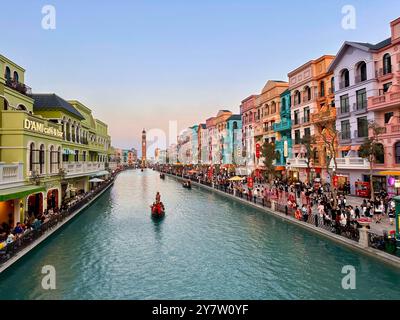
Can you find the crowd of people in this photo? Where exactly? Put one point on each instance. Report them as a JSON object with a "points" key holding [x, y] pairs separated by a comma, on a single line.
{"points": [[325, 205]]}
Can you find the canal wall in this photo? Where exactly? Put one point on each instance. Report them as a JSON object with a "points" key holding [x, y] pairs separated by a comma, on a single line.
{"points": [[52, 231], [353, 245]]}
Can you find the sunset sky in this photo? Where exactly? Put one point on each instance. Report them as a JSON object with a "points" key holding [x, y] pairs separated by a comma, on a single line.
{"points": [[139, 64]]}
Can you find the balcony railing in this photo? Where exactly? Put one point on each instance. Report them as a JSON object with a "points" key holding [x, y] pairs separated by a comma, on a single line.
{"points": [[283, 125], [352, 163], [391, 128], [73, 168], [324, 116], [382, 101], [11, 173], [18, 86], [383, 71], [297, 162]]}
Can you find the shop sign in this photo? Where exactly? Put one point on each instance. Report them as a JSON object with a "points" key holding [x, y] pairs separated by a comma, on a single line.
{"points": [[42, 128], [250, 183], [258, 150], [335, 181], [397, 183]]}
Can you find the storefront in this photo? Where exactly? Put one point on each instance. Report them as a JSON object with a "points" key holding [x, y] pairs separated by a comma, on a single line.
{"points": [[52, 199], [73, 187]]}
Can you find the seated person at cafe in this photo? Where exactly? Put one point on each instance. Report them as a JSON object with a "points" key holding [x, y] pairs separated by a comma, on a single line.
{"points": [[18, 229]]}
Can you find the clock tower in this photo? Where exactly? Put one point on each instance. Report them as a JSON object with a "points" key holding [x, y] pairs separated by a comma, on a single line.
{"points": [[144, 148]]}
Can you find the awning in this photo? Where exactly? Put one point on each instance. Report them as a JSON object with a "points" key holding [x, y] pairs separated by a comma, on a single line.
{"points": [[96, 180], [19, 192], [280, 168], [355, 148], [388, 173], [345, 148], [100, 173]]}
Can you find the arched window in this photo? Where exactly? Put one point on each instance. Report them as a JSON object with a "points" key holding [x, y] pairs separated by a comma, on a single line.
{"points": [[5, 104], [362, 71], [21, 107], [52, 160], [59, 158], [283, 103], [387, 64], [266, 110], [322, 89], [297, 97], [235, 125], [273, 107], [41, 159], [32, 157], [332, 85], [308, 93], [397, 152], [380, 157], [7, 74], [16, 77], [345, 79]]}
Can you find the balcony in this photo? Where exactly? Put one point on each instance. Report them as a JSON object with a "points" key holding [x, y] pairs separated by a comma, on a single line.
{"points": [[11, 174], [352, 163], [18, 86], [328, 115], [391, 129], [284, 125], [383, 72], [82, 168], [383, 101], [297, 162]]}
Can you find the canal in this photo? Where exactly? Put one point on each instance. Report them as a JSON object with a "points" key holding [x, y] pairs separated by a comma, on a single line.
{"points": [[207, 247]]}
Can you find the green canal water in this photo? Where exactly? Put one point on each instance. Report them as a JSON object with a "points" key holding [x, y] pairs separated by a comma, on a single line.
{"points": [[207, 247]]}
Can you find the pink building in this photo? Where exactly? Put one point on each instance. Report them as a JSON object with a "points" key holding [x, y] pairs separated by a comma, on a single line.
{"points": [[248, 111], [385, 104]]}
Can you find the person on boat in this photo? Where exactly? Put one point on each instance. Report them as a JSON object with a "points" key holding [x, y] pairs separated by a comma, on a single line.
{"points": [[158, 197]]}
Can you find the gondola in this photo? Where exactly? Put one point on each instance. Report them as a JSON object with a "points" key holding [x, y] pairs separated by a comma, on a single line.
{"points": [[157, 210]]}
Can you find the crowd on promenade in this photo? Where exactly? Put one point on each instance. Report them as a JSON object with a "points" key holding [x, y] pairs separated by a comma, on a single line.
{"points": [[13, 239], [316, 204]]}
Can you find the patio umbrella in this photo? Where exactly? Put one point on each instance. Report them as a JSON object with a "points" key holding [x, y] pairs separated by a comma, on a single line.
{"points": [[236, 178], [96, 180]]}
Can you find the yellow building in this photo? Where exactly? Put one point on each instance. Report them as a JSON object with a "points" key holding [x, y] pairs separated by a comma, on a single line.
{"points": [[49, 148]]}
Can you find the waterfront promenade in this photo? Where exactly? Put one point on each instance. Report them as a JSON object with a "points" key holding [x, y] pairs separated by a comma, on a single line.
{"points": [[373, 244]]}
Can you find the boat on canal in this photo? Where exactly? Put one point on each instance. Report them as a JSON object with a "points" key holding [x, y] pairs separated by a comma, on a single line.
{"points": [[157, 210]]}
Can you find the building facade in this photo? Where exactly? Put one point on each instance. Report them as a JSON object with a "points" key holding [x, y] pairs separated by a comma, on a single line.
{"points": [[283, 128]]}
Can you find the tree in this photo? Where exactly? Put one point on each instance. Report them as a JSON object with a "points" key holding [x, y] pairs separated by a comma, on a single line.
{"points": [[372, 149], [269, 154], [308, 142], [329, 136]]}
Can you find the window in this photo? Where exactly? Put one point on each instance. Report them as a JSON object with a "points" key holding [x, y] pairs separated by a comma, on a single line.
{"points": [[84, 156], [76, 156], [32, 157], [307, 132], [297, 97], [397, 152], [332, 85], [16, 77], [322, 89], [297, 117], [283, 104], [345, 79], [345, 129], [266, 110], [41, 159], [361, 99], [273, 107], [273, 139], [308, 93], [362, 72], [387, 64], [386, 87], [297, 137], [362, 127], [59, 157], [388, 115], [306, 114], [66, 155], [8, 74], [344, 104], [380, 158]]}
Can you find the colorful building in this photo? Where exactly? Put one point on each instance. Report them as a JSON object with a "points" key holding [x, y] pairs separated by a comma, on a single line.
{"points": [[308, 97], [283, 145], [202, 144], [50, 148], [248, 111]]}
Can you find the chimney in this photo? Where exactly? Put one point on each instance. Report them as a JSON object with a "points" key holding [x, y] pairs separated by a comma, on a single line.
{"points": [[395, 29]]}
